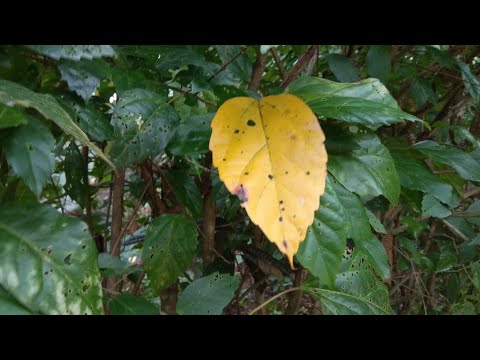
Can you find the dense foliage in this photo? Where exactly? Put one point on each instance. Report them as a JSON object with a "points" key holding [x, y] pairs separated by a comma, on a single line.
{"points": [[109, 203]]}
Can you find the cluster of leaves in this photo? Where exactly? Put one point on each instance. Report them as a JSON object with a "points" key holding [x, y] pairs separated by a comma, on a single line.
{"points": [[109, 201]]}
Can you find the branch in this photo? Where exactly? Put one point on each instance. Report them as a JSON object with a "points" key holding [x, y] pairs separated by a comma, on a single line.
{"points": [[257, 71], [281, 68], [209, 216], [301, 63], [154, 200], [117, 214]]}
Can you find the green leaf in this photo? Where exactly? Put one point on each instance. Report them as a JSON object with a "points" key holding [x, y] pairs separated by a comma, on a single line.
{"points": [[368, 169], [422, 92], [414, 174], [378, 61], [322, 250], [186, 191], [9, 306], [207, 295], [338, 303], [127, 304], [76, 176], [434, 208], [414, 226], [366, 102], [355, 211], [241, 68], [361, 232], [12, 93], [447, 258], [48, 261], [169, 246], [192, 136], [358, 291], [74, 52], [83, 76], [375, 223], [465, 165], [463, 308], [94, 123], [342, 68], [464, 134], [10, 117], [473, 213], [29, 150], [143, 126], [110, 265], [472, 84], [375, 252]]}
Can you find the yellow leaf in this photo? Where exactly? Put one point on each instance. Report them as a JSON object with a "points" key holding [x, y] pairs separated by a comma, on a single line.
{"points": [[270, 153]]}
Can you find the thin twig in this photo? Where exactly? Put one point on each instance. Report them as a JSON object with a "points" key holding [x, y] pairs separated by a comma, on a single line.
{"points": [[193, 162], [187, 91], [273, 298], [228, 63], [454, 230]]}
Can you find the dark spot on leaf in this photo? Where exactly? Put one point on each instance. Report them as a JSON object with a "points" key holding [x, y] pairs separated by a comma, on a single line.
{"points": [[251, 123], [280, 202], [236, 131], [246, 173], [285, 245], [68, 259], [224, 159], [280, 219], [283, 209], [294, 216], [286, 172], [45, 273], [270, 177], [308, 172]]}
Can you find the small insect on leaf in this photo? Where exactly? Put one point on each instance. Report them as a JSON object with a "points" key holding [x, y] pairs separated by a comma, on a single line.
{"points": [[271, 154]]}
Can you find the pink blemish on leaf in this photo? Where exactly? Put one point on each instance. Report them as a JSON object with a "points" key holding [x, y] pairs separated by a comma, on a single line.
{"points": [[242, 193]]}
